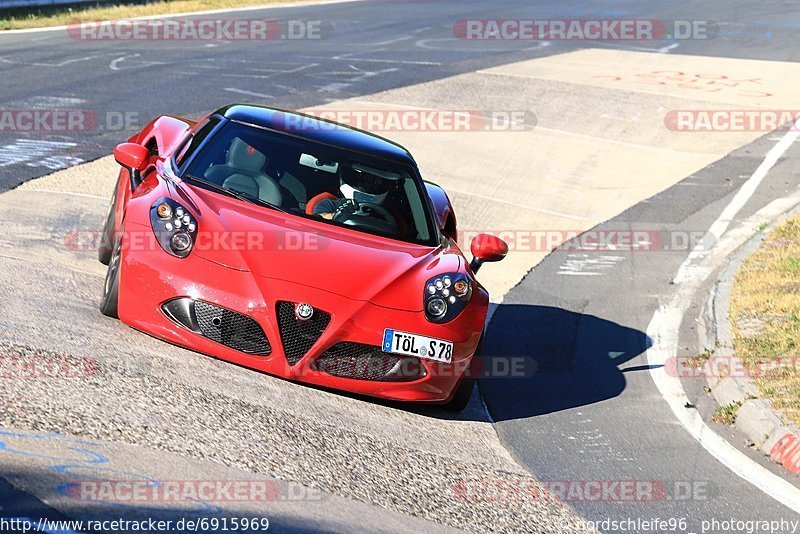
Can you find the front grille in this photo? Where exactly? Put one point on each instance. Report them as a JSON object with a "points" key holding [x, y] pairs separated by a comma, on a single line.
{"points": [[365, 362], [298, 336], [231, 329]]}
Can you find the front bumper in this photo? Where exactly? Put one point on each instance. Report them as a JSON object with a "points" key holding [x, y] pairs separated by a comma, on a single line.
{"points": [[150, 278]]}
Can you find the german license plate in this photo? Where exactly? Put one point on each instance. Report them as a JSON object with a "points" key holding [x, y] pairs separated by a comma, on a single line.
{"points": [[416, 345]]}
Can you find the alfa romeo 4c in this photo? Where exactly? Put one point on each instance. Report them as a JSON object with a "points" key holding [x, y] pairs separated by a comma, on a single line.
{"points": [[299, 247]]}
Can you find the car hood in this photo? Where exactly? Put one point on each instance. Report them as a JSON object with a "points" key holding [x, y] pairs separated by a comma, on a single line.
{"points": [[276, 245]]}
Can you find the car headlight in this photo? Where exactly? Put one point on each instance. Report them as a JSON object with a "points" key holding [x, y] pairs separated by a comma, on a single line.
{"points": [[445, 296], [174, 226]]}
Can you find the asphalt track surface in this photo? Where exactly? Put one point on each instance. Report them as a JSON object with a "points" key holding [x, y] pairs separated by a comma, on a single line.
{"points": [[593, 389], [591, 412], [367, 47]]}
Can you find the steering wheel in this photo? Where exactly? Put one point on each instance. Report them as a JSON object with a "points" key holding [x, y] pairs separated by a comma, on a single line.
{"points": [[362, 219], [380, 210]]}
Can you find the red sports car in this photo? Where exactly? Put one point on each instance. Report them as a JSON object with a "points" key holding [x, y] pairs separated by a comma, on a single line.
{"points": [[299, 247]]}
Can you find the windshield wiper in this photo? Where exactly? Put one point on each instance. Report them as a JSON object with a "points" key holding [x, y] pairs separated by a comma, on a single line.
{"points": [[235, 194]]}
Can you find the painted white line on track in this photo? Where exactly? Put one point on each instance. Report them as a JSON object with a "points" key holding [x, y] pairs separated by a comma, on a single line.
{"points": [[387, 42], [664, 328], [351, 57], [54, 65], [53, 191], [584, 265], [663, 50], [426, 43], [49, 102], [115, 63], [38, 153], [247, 93], [398, 61], [740, 199]]}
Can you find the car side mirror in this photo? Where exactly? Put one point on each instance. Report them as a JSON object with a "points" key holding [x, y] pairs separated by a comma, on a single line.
{"points": [[133, 157], [486, 247]]}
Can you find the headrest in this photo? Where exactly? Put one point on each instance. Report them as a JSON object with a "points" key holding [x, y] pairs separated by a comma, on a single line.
{"points": [[243, 156]]}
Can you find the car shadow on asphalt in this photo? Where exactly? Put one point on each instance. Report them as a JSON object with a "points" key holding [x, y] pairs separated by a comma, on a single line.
{"points": [[544, 359]]}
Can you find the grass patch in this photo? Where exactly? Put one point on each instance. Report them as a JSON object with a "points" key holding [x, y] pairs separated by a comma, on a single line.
{"points": [[766, 290], [35, 17], [793, 265], [726, 414], [700, 360]]}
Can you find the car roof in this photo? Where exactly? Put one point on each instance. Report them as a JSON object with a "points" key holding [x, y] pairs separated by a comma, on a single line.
{"points": [[317, 129]]}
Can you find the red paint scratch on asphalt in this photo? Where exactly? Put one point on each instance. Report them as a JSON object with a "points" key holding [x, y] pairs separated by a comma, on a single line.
{"points": [[700, 81]]}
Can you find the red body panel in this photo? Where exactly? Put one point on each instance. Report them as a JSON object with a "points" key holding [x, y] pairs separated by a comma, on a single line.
{"points": [[366, 283]]}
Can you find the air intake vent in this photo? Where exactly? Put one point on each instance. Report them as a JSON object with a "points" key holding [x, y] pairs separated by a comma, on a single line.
{"points": [[365, 362], [298, 336], [222, 325]]}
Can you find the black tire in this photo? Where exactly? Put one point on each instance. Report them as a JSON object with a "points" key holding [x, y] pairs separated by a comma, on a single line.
{"points": [[108, 239], [462, 396], [110, 300], [464, 392]]}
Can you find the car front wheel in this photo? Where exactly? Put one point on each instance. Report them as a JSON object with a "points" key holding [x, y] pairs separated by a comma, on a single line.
{"points": [[462, 396], [464, 392], [106, 248], [110, 300]]}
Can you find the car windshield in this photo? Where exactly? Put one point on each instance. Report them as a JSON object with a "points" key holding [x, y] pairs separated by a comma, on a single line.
{"points": [[314, 180]]}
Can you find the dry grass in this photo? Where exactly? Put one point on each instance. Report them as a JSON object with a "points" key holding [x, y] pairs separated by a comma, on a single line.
{"points": [[61, 15], [766, 292], [726, 414], [701, 359]]}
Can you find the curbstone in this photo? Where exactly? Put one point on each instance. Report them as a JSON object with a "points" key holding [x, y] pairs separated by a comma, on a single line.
{"points": [[756, 419], [729, 391]]}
